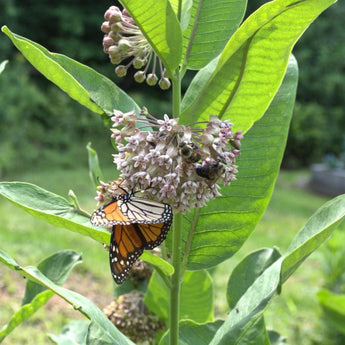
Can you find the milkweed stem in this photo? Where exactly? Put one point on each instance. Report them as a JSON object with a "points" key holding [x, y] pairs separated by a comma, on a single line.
{"points": [[177, 234], [175, 280]]}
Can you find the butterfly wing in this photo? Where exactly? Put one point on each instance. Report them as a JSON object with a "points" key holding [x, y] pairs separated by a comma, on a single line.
{"points": [[128, 243], [128, 210], [141, 210], [109, 215]]}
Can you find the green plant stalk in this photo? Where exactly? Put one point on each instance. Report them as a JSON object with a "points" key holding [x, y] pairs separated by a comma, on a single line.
{"points": [[175, 281], [176, 242]]}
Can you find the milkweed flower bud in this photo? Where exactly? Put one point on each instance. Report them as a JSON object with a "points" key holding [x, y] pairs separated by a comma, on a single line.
{"points": [[140, 76], [121, 71], [123, 39], [151, 79], [180, 165], [164, 83]]}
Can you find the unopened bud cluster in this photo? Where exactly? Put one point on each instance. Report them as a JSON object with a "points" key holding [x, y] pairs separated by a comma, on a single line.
{"points": [[176, 164], [122, 40], [130, 315]]}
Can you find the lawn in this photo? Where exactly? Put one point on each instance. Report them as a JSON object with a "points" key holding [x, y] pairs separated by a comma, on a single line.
{"points": [[294, 313]]}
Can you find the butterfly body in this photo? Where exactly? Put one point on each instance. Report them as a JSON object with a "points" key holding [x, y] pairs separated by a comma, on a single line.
{"points": [[137, 224]]}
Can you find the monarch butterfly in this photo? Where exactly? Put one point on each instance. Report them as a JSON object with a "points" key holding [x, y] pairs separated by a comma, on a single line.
{"points": [[137, 224]]}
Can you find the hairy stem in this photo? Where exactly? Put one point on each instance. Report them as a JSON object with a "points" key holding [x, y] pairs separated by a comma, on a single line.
{"points": [[176, 242]]}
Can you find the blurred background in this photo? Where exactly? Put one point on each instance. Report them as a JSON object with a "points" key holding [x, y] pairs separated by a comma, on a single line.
{"points": [[43, 134]]}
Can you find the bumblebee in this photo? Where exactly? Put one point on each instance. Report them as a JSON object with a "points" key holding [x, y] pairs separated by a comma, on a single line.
{"points": [[211, 171], [188, 152]]}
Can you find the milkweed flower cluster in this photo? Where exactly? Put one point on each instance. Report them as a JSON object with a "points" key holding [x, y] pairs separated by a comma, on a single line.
{"points": [[180, 165], [122, 40], [130, 315]]}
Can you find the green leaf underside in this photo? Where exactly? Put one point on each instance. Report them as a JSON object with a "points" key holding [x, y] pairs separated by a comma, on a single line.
{"points": [[51, 208], [74, 333], [95, 171], [256, 334], [100, 322], [252, 65], [226, 222], [247, 271], [253, 302], [316, 231], [158, 22], [25, 312], [58, 267], [165, 267], [211, 25], [196, 297], [80, 82], [192, 333]]}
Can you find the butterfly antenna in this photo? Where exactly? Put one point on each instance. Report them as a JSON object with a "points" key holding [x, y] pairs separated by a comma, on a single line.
{"points": [[124, 190]]}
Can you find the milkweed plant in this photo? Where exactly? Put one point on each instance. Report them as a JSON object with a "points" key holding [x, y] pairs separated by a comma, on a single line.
{"points": [[214, 159]]}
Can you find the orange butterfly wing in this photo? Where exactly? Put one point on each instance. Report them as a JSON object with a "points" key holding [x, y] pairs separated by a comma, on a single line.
{"points": [[109, 214], [137, 224], [128, 243], [128, 209]]}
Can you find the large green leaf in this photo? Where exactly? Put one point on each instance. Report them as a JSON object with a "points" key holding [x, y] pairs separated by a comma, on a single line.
{"points": [[158, 22], [254, 301], [196, 297], [316, 231], [57, 267], [226, 222], [106, 331], [211, 25], [247, 271], [80, 82], [252, 65], [51, 208], [192, 333]]}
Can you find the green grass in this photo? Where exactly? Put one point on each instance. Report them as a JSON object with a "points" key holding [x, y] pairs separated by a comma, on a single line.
{"points": [[295, 313]]}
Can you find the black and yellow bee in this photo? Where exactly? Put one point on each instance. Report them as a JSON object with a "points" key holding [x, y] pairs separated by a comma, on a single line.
{"points": [[188, 152], [211, 171]]}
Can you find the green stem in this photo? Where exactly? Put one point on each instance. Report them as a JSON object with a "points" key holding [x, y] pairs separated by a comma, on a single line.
{"points": [[177, 233], [175, 281]]}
